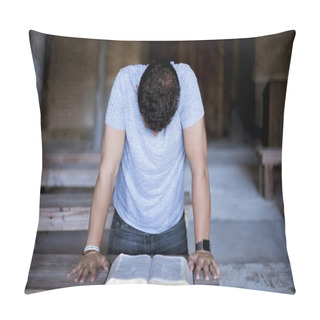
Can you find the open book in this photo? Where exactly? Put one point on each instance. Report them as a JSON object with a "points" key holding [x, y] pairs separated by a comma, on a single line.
{"points": [[173, 270]]}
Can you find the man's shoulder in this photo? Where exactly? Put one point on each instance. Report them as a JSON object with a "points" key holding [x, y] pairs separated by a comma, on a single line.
{"points": [[138, 69], [182, 66], [129, 76], [132, 70], [184, 70]]}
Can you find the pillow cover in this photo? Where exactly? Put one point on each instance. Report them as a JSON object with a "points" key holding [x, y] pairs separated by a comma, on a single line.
{"points": [[243, 86]]}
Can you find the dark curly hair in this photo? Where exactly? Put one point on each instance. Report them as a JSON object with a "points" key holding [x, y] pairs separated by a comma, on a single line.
{"points": [[158, 95]]}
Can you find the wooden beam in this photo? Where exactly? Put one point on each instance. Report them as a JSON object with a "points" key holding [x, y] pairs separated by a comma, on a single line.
{"points": [[68, 219], [69, 177], [61, 158]]}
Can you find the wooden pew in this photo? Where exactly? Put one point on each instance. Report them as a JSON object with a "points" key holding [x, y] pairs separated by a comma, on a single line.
{"points": [[64, 170], [70, 211], [61, 158], [268, 158]]}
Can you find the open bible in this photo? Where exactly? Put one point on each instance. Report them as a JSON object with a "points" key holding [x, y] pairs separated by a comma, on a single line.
{"points": [[168, 270]]}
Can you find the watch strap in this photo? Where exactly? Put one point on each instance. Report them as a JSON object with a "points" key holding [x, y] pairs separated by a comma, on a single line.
{"points": [[203, 245]]}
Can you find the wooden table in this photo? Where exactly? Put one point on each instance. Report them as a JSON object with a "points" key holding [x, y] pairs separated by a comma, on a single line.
{"points": [[49, 271]]}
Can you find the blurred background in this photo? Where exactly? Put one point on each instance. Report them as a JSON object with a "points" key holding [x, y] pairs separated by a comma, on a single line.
{"points": [[243, 76]]}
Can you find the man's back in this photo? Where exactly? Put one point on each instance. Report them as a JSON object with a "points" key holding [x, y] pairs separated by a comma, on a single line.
{"points": [[149, 189]]}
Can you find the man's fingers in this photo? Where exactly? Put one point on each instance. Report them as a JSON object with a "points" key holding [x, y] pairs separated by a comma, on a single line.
{"points": [[76, 269], [71, 273], [105, 264], [190, 263], [199, 267], [80, 271], [84, 276], [93, 274], [89, 264], [215, 270], [201, 261], [206, 270]]}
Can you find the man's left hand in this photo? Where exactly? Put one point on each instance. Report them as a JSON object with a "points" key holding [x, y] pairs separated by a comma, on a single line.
{"points": [[203, 260]]}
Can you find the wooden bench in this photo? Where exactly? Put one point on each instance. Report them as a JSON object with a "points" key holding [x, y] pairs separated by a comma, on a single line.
{"points": [[71, 211], [65, 170], [61, 158], [268, 159]]}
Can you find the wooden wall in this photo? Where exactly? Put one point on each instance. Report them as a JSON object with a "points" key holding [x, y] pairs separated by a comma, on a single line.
{"points": [[206, 58], [272, 55], [232, 75], [69, 106]]}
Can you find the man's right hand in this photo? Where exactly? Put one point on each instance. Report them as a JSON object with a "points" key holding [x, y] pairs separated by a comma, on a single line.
{"points": [[89, 263]]}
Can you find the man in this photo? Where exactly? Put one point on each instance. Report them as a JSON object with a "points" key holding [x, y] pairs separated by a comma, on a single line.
{"points": [[154, 118]]}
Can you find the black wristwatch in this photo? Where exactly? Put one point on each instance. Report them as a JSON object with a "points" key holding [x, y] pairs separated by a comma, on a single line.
{"points": [[203, 245]]}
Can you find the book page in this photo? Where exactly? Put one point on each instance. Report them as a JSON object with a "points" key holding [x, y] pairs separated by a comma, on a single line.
{"points": [[129, 269], [171, 270]]}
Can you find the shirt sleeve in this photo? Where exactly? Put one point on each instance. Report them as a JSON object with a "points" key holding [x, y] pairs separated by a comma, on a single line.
{"points": [[115, 109], [192, 108]]}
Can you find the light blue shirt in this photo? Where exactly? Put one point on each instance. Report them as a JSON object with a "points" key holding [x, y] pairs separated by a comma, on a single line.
{"points": [[149, 191]]}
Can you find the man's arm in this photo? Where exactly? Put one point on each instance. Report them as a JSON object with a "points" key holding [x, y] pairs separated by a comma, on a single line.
{"points": [[111, 154], [196, 149]]}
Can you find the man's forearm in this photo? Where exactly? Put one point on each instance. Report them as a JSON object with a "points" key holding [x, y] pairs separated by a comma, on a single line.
{"points": [[99, 210], [201, 203], [111, 154]]}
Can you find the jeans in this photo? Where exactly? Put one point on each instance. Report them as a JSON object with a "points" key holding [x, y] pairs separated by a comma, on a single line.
{"points": [[126, 239]]}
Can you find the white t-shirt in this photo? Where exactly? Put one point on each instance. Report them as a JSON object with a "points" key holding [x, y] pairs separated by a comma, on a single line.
{"points": [[149, 191]]}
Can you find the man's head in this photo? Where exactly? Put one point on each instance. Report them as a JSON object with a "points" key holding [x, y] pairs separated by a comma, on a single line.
{"points": [[158, 95]]}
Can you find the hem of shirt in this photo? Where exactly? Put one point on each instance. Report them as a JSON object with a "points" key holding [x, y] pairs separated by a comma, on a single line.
{"points": [[114, 125], [149, 231], [188, 125]]}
